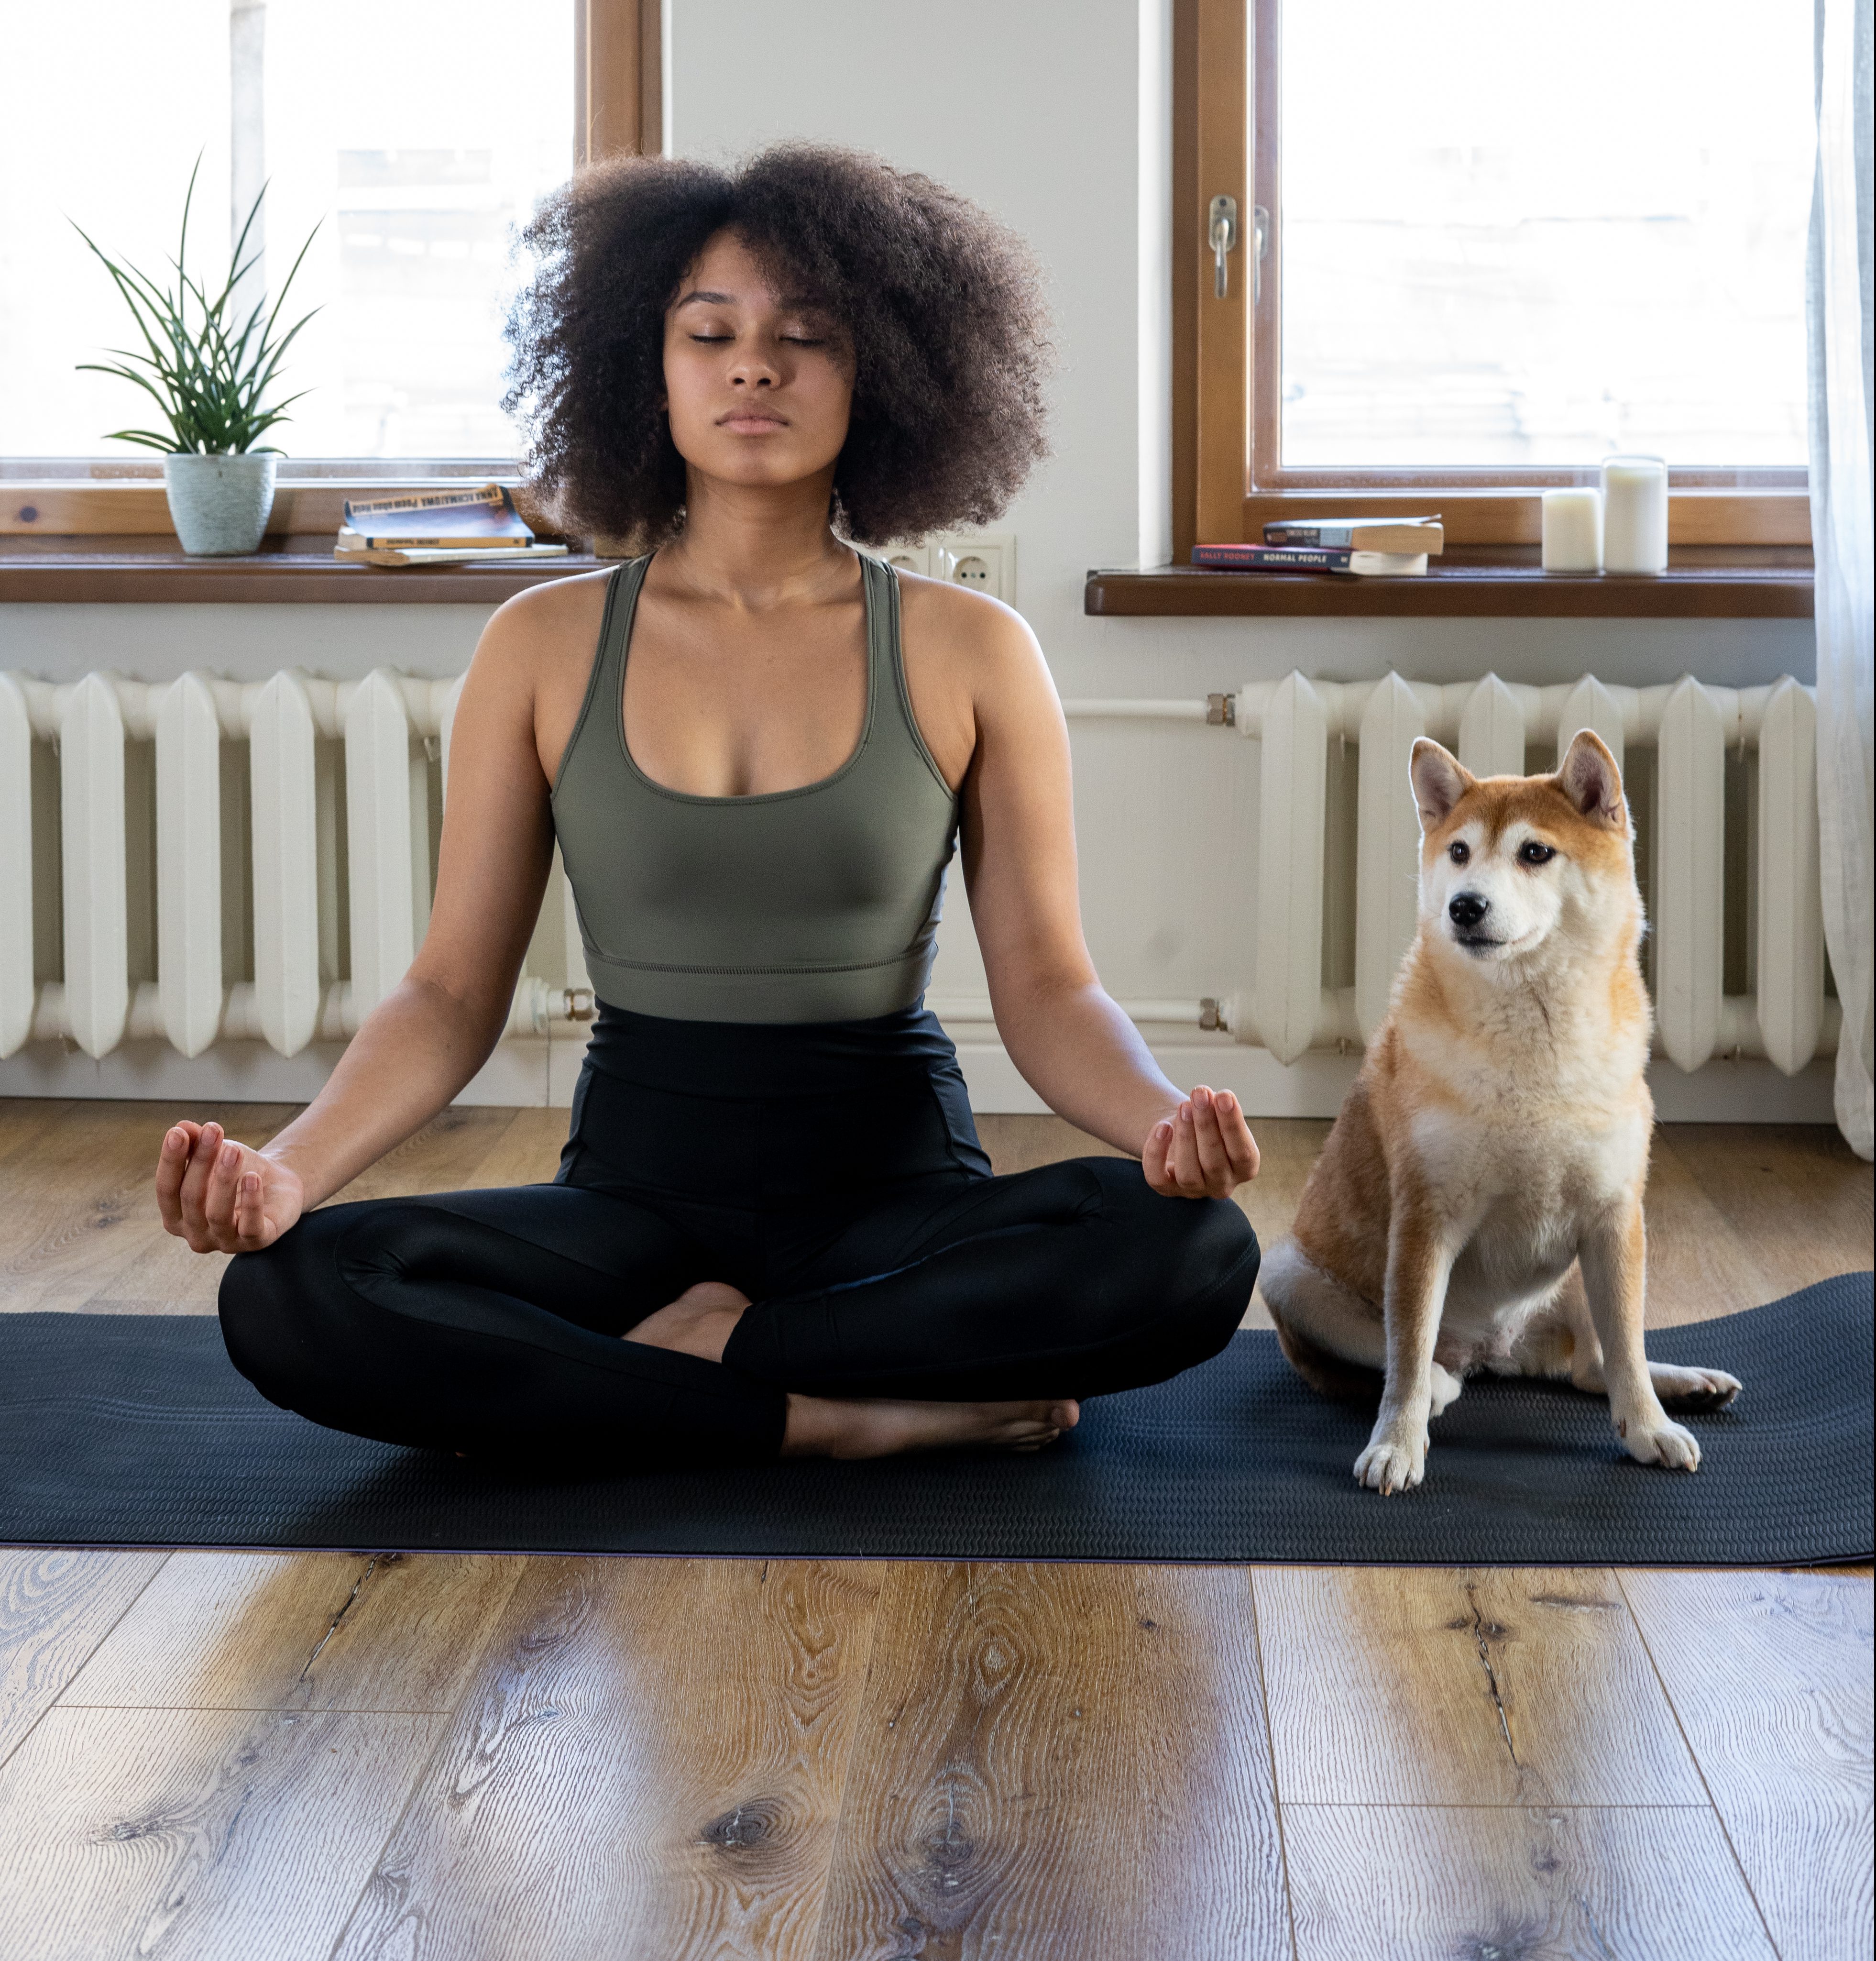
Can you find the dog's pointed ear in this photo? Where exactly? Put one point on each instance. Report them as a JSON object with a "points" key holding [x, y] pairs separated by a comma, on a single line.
{"points": [[1589, 778], [1439, 779]]}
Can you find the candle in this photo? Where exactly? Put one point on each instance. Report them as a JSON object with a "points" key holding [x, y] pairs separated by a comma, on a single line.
{"points": [[1572, 531], [1635, 514]]}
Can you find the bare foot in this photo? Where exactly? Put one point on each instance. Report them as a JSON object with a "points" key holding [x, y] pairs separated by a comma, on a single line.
{"points": [[698, 1322], [823, 1427]]}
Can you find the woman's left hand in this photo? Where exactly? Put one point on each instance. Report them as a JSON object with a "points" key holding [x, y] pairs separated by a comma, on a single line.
{"points": [[1204, 1149]]}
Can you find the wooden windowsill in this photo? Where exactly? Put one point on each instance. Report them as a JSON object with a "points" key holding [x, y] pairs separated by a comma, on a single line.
{"points": [[140, 570], [1702, 582]]}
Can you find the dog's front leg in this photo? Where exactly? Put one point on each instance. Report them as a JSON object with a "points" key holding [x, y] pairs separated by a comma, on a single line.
{"points": [[1418, 1261], [1613, 1251]]}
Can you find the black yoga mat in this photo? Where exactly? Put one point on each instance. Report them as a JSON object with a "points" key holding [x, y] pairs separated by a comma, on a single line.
{"points": [[134, 1430]]}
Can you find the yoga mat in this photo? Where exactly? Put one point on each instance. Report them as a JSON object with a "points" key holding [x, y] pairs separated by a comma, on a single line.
{"points": [[135, 1430]]}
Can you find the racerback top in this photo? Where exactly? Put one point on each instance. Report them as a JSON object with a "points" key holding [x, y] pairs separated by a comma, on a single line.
{"points": [[815, 904]]}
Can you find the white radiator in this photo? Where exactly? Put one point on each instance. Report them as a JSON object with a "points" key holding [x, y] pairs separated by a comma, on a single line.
{"points": [[337, 813]]}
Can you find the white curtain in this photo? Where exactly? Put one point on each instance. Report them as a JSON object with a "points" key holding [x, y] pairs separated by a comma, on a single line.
{"points": [[1843, 534]]}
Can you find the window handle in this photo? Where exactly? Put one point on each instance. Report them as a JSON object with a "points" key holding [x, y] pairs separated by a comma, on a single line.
{"points": [[1222, 230]]}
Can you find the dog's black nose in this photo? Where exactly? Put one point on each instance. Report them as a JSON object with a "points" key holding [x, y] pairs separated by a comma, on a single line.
{"points": [[1467, 910]]}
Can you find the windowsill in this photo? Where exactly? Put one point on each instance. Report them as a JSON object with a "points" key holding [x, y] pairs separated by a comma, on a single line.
{"points": [[146, 569], [1702, 582]]}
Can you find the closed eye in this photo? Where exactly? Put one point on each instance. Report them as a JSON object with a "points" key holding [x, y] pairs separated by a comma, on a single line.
{"points": [[1532, 852]]}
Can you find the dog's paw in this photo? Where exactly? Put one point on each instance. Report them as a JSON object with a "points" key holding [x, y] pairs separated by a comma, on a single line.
{"points": [[1393, 1462], [1692, 1388], [1664, 1443]]}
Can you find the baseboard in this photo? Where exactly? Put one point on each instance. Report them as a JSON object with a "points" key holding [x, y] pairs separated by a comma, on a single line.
{"points": [[536, 1072]]}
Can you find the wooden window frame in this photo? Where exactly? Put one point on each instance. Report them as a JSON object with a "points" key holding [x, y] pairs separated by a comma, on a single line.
{"points": [[618, 109], [1228, 481]]}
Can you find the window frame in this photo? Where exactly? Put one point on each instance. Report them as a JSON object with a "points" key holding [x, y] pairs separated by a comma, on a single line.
{"points": [[618, 80], [1228, 477]]}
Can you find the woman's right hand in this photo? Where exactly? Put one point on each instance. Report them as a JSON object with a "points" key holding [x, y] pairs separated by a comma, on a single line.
{"points": [[220, 1196]]}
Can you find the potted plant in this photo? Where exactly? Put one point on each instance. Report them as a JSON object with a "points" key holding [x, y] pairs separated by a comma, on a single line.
{"points": [[209, 376]]}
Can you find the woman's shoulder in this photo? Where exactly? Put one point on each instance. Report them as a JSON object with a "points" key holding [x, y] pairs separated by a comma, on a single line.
{"points": [[969, 633]]}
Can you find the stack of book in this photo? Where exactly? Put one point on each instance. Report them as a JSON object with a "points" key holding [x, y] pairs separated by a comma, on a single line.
{"points": [[1366, 546], [477, 525]]}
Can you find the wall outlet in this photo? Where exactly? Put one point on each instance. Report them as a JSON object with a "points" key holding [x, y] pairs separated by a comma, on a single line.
{"points": [[984, 561]]}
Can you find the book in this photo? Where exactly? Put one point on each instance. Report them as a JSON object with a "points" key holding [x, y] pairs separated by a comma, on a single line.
{"points": [[478, 518], [1310, 558], [1382, 535], [449, 554]]}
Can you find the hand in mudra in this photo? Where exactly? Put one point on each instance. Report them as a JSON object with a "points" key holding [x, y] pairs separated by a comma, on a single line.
{"points": [[222, 1196], [1204, 1150]]}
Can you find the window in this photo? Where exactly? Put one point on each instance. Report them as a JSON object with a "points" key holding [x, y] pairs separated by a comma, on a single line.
{"points": [[1497, 244], [412, 142]]}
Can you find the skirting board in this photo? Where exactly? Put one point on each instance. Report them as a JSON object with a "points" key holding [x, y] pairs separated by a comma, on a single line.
{"points": [[537, 1072]]}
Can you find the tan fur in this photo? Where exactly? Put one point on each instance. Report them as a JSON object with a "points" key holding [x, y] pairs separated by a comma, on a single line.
{"points": [[1478, 1205]]}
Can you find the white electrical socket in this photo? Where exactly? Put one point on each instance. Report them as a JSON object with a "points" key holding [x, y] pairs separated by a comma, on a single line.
{"points": [[984, 561]]}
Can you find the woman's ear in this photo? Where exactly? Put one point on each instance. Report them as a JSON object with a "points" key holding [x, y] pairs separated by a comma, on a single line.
{"points": [[1439, 779]]}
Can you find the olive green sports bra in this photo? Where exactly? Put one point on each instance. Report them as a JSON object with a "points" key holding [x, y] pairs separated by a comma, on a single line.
{"points": [[815, 904]]}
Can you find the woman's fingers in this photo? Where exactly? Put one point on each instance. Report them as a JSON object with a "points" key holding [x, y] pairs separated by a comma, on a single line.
{"points": [[196, 1181], [172, 1161], [1204, 1149], [218, 1199], [1214, 1167], [250, 1218], [1240, 1147]]}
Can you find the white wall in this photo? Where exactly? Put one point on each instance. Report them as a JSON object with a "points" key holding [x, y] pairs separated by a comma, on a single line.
{"points": [[1053, 117]]}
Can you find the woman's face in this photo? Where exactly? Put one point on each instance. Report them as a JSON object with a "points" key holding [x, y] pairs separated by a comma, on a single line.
{"points": [[758, 383]]}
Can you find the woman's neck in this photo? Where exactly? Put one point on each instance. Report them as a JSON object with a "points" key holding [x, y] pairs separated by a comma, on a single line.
{"points": [[757, 545]]}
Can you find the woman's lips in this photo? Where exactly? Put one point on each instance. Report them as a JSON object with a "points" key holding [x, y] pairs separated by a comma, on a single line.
{"points": [[751, 424]]}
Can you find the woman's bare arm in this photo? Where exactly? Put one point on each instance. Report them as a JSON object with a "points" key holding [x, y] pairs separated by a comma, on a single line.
{"points": [[431, 1033], [1079, 1052]]}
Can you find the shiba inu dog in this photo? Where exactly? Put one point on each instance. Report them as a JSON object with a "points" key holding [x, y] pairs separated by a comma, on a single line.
{"points": [[1478, 1205]]}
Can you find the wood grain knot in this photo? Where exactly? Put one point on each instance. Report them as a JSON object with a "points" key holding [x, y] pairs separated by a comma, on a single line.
{"points": [[1521, 1943], [748, 1825]]}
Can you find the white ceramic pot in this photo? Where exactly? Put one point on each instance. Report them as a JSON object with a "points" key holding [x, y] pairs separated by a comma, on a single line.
{"points": [[219, 505]]}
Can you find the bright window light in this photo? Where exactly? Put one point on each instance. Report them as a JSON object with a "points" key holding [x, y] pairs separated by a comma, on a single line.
{"points": [[1524, 236], [420, 137]]}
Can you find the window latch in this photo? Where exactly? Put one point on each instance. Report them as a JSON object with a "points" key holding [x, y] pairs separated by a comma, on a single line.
{"points": [[1221, 223]]}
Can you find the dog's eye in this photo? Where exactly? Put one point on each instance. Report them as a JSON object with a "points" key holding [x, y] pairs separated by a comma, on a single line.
{"points": [[1458, 852], [1532, 852]]}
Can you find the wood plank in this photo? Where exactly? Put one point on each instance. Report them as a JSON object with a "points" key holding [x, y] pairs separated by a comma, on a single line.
{"points": [[1431, 1686], [1796, 1187], [55, 1606], [526, 1152], [1059, 1761], [650, 1763], [1435, 1883], [1481, 583], [227, 1836], [438, 1158], [24, 1120], [1699, 1265], [302, 1631], [81, 1223], [1769, 1673]]}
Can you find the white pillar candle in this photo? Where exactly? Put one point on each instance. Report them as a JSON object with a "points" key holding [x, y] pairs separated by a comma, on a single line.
{"points": [[1635, 514], [1573, 530]]}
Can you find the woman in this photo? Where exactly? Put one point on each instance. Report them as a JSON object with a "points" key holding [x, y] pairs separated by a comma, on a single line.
{"points": [[773, 1230]]}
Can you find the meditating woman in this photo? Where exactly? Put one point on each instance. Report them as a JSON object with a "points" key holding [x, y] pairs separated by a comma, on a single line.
{"points": [[773, 1231]]}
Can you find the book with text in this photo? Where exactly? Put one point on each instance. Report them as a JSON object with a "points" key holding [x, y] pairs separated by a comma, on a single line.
{"points": [[1309, 558], [478, 518], [1381, 535]]}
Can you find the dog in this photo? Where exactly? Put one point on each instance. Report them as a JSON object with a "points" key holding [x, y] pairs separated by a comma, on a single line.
{"points": [[1478, 1205]]}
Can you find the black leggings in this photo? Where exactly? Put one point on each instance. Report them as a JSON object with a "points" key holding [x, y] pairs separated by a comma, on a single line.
{"points": [[830, 1171]]}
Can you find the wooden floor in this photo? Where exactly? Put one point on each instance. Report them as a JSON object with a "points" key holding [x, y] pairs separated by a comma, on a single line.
{"points": [[544, 1759]]}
